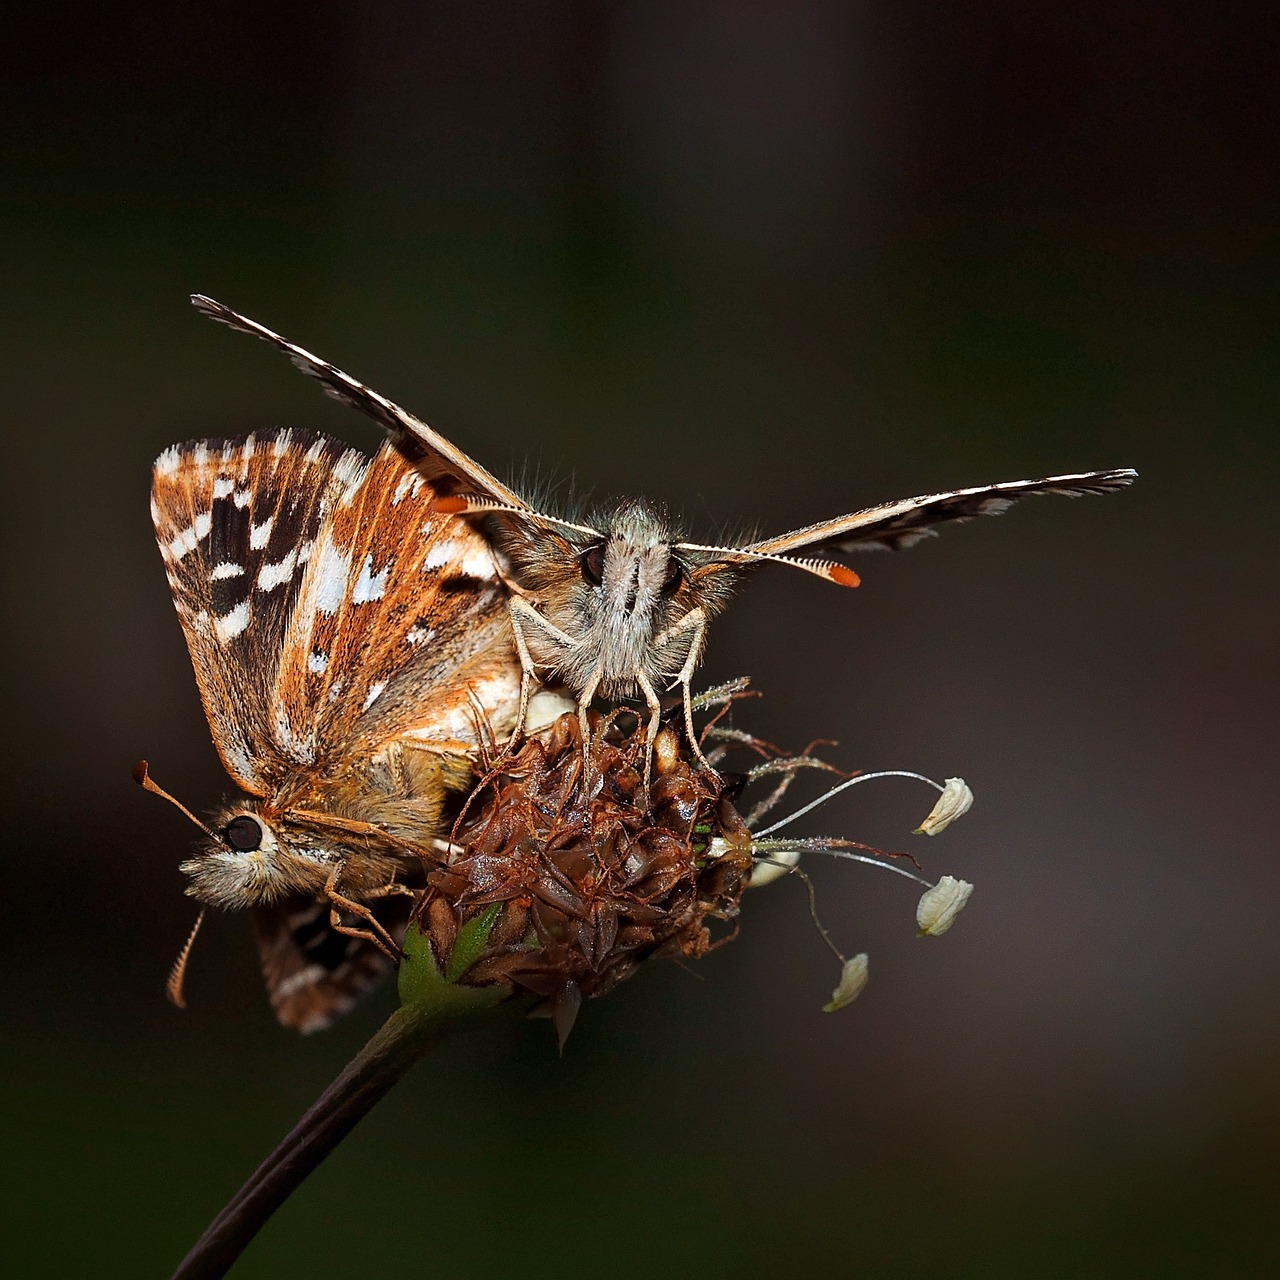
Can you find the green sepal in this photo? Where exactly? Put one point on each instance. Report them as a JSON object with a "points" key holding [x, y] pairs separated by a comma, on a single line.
{"points": [[425, 990], [472, 939]]}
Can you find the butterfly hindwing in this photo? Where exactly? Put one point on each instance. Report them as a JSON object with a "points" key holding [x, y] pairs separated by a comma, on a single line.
{"points": [[313, 973], [400, 629]]}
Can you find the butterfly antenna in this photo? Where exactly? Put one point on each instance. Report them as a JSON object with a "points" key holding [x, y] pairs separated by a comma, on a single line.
{"points": [[460, 505], [840, 574], [143, 779], [173, 988]]}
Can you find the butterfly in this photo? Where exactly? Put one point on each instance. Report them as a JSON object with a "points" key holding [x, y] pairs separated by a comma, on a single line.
{"points": [[351, 647], [621, 607]]}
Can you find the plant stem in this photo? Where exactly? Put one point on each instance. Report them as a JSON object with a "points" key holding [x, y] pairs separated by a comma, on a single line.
{"points": [[433, 1010]]}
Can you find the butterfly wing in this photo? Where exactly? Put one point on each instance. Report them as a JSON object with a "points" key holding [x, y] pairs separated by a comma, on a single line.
{"points": [[326, 607], [233, 518], [400, 631], [313, 973], [442, 463], [894, 525]]}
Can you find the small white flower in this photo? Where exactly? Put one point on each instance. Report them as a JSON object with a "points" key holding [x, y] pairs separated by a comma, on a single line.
{"points": [[853, 977], [940, 905], [954, 801], [774, 867]]}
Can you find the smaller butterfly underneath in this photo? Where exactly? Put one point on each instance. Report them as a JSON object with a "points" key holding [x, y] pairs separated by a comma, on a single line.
{"points": [[352, 648]]}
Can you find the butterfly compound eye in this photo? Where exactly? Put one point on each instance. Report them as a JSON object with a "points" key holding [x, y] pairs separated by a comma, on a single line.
{"points": [[243, 834], [675, 575], [592, 562]]}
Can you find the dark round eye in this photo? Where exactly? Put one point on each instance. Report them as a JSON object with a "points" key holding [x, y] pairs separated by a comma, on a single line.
{"points": [[592, 562], [675, 575], [243, 834]]}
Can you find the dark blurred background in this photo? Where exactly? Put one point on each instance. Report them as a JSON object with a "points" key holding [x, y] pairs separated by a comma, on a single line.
{"points": [[766, 262]]}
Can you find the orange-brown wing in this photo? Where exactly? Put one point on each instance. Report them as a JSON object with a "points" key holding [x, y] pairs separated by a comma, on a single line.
{"points": [[233, 518], [895, 525], [327, 609], [437, 459], [400, 629]]}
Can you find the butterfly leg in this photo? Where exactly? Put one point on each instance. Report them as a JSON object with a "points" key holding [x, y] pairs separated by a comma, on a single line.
{"points": [[584, 704], [375, 933], [518, 609], [654, 704], [695, 621]]}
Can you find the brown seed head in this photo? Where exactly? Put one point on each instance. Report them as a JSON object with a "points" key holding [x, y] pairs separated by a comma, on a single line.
{"points": [[590, 876]]}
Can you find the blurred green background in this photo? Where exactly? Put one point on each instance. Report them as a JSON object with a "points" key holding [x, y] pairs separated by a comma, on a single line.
{"points": [[766, 262]]}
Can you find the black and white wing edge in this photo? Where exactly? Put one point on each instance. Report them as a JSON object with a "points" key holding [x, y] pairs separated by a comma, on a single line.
{"points": [[443, 464], [895, 525]]}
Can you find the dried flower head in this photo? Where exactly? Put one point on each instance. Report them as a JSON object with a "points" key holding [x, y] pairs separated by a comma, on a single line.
{"points": [[564, 873]]}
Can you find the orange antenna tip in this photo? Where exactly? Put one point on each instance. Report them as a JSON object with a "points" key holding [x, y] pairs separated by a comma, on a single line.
{"points": [[450, 506], [843, 576], [143, 779]]}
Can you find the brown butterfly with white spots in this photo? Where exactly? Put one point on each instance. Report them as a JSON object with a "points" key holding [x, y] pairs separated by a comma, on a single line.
{"points": [[351, 647], [621, 607]]}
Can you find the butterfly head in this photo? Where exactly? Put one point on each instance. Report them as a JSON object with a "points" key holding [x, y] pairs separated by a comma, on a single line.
{"points": [[250, 858]]}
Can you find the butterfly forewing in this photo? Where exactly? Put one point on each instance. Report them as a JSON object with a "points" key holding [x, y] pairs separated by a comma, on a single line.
{"points": [[327, 608], [398, 602], [895, 525], [437, 459], [236, 521]]}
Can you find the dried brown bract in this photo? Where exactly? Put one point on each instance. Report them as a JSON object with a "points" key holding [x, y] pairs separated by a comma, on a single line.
{"points": [[582, 874]]}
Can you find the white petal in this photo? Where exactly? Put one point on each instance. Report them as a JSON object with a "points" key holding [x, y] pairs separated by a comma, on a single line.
{"points": [[774, 867], [940, 905], [853, 977], [954, 801]]}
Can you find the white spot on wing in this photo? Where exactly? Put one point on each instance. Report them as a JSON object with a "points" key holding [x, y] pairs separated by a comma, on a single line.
{"points": [[375, 692], [226, 570], [478, 563], [259, 533], [301, 748], [410, 483], [223, 486], [271, 576], [242, 498], [281, 443], [350, 471], [189, 538], [370, 586], [417, 635], [450, 551], [317, 662], [169, 461], [332, 569], [232, 624]]}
